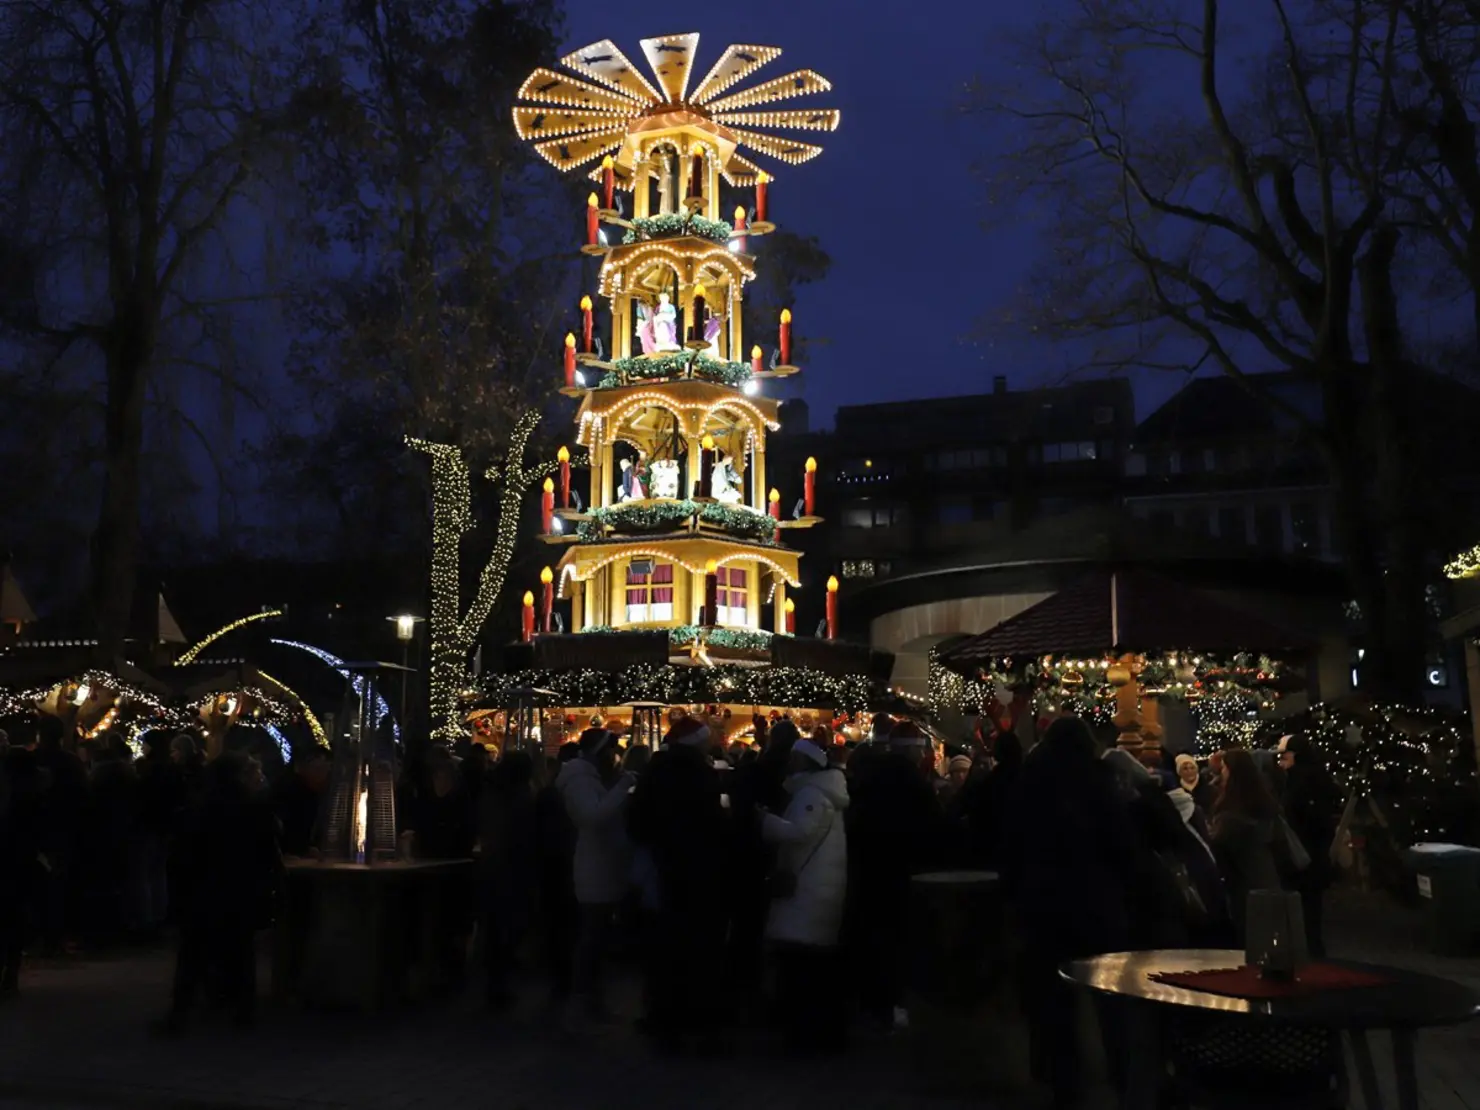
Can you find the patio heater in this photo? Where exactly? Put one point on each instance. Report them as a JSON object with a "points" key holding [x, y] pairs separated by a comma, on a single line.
{"points": [[525, 718], [647, 724], [360, 822]]}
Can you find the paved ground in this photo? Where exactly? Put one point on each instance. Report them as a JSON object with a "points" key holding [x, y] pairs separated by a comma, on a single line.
{"points": [[77, 1039]]}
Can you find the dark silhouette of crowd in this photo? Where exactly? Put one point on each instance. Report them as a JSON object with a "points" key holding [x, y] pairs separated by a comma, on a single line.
{"points": [[762, 883]]}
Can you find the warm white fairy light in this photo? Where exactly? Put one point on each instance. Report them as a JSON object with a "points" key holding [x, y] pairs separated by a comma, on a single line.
{"points": [[546, 86], [800, 119], [567, 154], [585, 571], [804, 82], [547, 123], [191, 653], [790, 151], [604, 62], [671, 58], [734, 65]]}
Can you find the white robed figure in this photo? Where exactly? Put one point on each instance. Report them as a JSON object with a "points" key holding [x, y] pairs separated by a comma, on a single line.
{"points": [[726, 480], [658, 331]]}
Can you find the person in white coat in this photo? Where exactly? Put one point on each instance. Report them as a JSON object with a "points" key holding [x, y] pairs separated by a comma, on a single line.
{"points": [[808, 890], [596, 797]]}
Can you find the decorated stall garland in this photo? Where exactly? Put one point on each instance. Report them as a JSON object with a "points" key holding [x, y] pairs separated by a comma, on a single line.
{"points": [[679, 364], [673, 224], [686, 685], [682, 635], [669, 516]]}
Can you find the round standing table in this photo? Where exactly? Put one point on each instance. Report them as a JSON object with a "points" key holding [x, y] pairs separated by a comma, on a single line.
{"points": [[1405, 1003]]}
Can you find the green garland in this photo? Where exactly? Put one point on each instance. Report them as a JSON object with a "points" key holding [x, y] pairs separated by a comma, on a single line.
{"points": [[792, 687], [685, 634], [670, 516], [675, 224], [678, 364]]}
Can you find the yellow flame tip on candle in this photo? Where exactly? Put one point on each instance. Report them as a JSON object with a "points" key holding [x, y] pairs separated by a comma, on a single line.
{"points": [[700, 291], [547, 576], [791, 606], [586, 304], [529, 599], [763, 178], [811, 465], [786, 315], [707, 443], [591, 201], [607, 163], [711, 567], [756, 352], [570, 339], [775, 495], [832, 583], [563, 455], [739, 213], [549, 485]]}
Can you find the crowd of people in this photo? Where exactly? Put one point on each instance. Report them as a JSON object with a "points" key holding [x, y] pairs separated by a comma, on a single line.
{"points": [[766, 882]]}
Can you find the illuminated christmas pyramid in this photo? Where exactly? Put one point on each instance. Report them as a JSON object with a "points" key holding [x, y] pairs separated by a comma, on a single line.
{"points": [[680, 529]]}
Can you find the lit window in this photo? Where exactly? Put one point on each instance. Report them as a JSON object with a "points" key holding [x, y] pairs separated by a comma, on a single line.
{"points": [[731, 598], [650, 593]]}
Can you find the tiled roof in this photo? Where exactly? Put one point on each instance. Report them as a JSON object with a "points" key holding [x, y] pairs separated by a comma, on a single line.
{"points": [[1129, 610]]}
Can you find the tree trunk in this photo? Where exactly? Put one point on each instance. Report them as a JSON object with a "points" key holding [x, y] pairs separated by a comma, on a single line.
{"points": [[115, 542]]}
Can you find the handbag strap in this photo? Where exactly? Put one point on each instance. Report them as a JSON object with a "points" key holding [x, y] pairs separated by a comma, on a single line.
{"points": [[820, 840]]}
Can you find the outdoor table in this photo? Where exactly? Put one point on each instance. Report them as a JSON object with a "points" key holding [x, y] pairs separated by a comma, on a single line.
{"points": [[1403, 1003], [363, 935]]}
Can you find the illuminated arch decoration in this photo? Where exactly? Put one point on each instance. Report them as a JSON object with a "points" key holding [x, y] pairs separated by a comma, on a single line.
{"points": [[357, 682], [316, 727], [192, 652], [706, 261]]}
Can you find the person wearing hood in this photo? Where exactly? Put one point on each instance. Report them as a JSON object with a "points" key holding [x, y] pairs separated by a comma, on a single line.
{"points": [[1213, 928], [596, 795], [809, 887], [1190, 779], [1312, 803]]}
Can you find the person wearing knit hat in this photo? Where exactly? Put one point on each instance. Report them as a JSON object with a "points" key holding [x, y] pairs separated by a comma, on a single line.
{"points": [[1190, 778], [677, 815], [806, 911], [596, 794]]}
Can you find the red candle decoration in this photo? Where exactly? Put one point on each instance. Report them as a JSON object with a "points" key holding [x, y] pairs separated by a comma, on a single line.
{"points": [[786, 337], [809, 488], [711, 594], [696, 172], [586, 324], [706, 466], [527, 617], [791, 617], [547, 600], [775, 506], [570, 360], [757, 357], [564, 456], [762, 180], [593, 222], [547, 506], [832, 607], [700, 311], [608, 182], [740, 240]]}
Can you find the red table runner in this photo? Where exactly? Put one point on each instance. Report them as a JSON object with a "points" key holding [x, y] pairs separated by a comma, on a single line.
{"points": [[1244, 982]]}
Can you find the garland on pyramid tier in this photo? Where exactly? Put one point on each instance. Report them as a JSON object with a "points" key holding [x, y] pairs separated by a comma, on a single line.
{"points": [[681, 685], [675, 224], [670, 516], [741, 639], [681, 364]]}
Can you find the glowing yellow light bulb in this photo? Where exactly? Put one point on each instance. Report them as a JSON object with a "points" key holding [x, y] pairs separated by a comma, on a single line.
{"points": [[570, 339], [786, 315], [586, 304], [547, 576], [832, 583], [563, 455], [529, 599], [711, 567], [775, 496], [811, 465], [591, 201], [707, 443], [549, 485], [791, 606]]}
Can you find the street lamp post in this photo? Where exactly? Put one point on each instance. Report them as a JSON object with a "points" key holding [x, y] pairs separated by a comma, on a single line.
{"points": [[405, 632]]}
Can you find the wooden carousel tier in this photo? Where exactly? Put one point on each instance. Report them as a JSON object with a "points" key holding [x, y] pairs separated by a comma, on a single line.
{"points": [[692, 551]]}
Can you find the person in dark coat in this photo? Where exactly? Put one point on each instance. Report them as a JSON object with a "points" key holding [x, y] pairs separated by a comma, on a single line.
{"points": [[1247, 833], [110, 823], [555, 853], [21, 802], [1068, 863], [230, 870], [677, 815], [161, 806], [756, 788], [297, 797], [895, 829], [507, 868], [1312, 804], [61, 827], [1191, 779], [985, 800]]}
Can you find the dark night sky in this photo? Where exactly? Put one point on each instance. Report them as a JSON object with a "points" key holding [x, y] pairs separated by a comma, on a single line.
{"points": [[906, 311]]}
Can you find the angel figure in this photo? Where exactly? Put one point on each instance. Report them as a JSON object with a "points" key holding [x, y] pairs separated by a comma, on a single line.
{"points": [[645, 329], [665, 325], [712, 327]]}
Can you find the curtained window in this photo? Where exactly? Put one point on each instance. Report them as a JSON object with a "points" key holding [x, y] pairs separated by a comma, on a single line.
{"points": [[732, 594], [650, 596]]}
